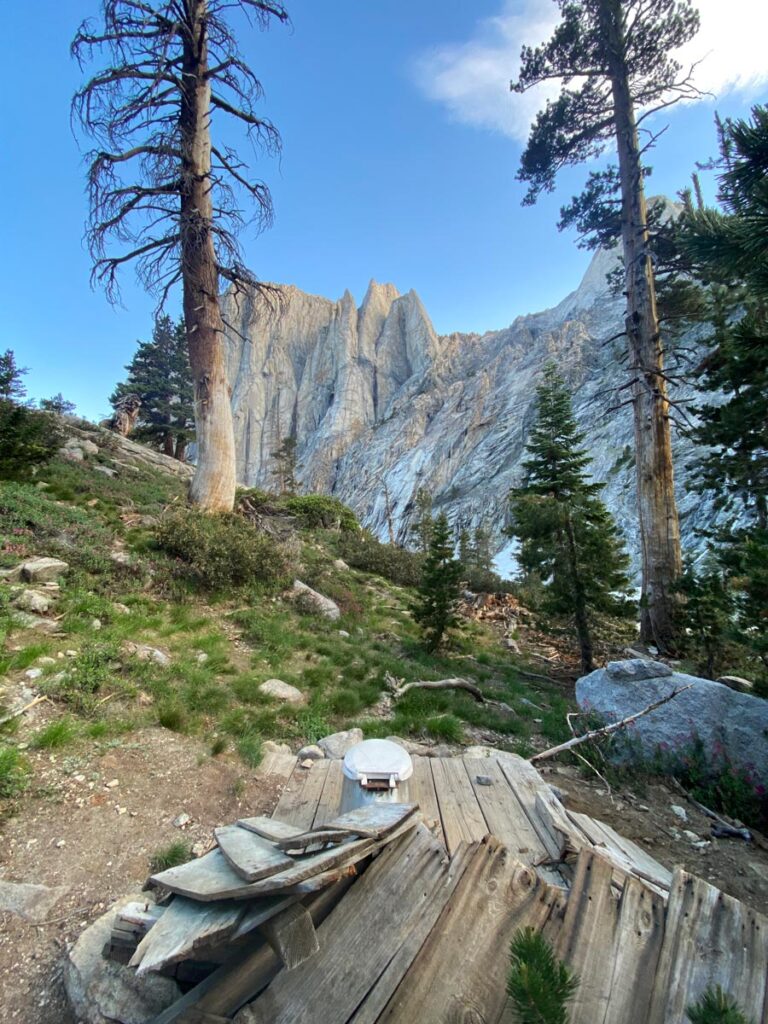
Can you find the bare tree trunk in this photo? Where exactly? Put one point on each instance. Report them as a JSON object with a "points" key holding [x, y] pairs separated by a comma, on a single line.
{"points": [[658, 521], [213, 486], [180, 452]]}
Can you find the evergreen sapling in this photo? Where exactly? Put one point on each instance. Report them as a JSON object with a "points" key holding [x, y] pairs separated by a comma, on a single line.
{"points": [[438, 592]]}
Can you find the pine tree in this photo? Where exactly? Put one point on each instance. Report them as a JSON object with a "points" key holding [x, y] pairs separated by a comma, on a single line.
{"points": [[28, 437], [539, 985], [11, 385], [611, 57], [285, 466], [160, 376], [728, 249], [716, 1007], [466, 554], [423, 525], [58, 405], [482, 556], [567, 535], [438, 592]]}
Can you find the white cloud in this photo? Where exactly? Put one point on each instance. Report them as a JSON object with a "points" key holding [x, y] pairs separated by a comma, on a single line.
{"points": [[471, 79]]}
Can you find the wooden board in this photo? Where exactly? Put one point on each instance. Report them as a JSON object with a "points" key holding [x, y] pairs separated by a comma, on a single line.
{"points": [[251, 856], [460, 813], [292, 936], [311, 865], [375, 820], [359, 938], [269, 828], [259, 911], [210, 877], [185, 926], [503, 812], [330, 798], [623, 852], [421, 788], [545, 813], [298, 803], [461, 970], [277, 764], [709, 939]]}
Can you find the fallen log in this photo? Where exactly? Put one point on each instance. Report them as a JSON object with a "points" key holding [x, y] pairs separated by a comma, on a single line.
{"points": [[399, 688], [606, 730]]}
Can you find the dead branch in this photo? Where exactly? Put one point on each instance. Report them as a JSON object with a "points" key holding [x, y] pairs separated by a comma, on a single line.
{"points": [[399, 688], [21, 711], [606, 730]]}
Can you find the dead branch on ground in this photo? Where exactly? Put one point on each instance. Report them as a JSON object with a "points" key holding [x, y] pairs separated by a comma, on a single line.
{"points": [[399, 688]]}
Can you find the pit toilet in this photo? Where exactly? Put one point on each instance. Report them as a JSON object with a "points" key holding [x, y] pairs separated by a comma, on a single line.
{"points": [[375, 770]]}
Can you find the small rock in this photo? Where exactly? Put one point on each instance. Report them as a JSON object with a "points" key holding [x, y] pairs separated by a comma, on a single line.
{"points": [[105, 470], [511, 644], [121, 609], [307, 763], [637, 669], [181, 820], [694, 838], [270, 747], [74, 454], [679, 812], [45, 661], [337, 744], [96, 624], [310, 752], [61, 843], [344, 633], [33, 673], [201, 657], [71, 654], [484, 780], [643, 807], [737, 683], [414, 749], [87, 446], [40, 570], [33, 601], [282, 691], [199, 848], [314, 602], [112, 783], [120, 557], [340, 564], [146, 653]]}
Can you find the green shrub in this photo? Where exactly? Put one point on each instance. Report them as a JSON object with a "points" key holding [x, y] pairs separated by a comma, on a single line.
{"points": [[14, 772], [716, 1007], [220, 551], [539, 985], [249, 748], [177, 852], [363, 551], [320, 510], [55, 734], [445, 727], [30, 438], [84, 676], [171, 716]]}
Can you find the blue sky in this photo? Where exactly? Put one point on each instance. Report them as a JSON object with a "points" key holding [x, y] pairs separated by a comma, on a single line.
{"points": [[400, 146]]}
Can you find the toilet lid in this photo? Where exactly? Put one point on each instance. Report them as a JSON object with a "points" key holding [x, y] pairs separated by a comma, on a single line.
{"points": [[377, 758]]}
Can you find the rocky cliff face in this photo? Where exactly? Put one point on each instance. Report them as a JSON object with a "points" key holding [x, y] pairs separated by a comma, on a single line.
{"points": [[381, 405]]}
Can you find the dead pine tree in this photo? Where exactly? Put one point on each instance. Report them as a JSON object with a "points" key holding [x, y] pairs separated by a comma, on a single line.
{"points": [[162, 193], [612, 60]]}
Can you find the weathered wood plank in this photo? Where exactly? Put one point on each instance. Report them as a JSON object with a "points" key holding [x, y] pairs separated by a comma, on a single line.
{"points": [[628, 856], [587, 935], [710, 939], [461, 970], [261, 910], [635, 955], [378, 997], [503, 813], [210, 877], [269, 828], [312, 865], [292, 936], [298, 803], [330, 798], [277, 764], [422, 792], [543, 810], [376, 820], [185, 926], [251, 856], [359, 938], [460, 813]]}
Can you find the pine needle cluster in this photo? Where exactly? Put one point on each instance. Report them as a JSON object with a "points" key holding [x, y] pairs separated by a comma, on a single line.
{"points": [[539, 985]]}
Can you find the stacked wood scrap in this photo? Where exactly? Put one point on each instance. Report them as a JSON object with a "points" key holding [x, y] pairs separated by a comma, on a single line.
{"points": [[503, 608], [258, 887]]}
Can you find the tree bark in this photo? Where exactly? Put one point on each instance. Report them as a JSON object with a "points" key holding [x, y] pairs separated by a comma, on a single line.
{"points": [[657, 508], [213, 485], [180, 452], [580, 604]]}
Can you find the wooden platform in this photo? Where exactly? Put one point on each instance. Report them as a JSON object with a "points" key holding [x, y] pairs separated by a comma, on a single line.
{"points": [[463, 799]]}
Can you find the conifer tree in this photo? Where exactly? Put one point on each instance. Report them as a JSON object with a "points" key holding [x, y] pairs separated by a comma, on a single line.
{"points": [[612, 58], [566, 533], [58, 405], [438, 592], [159, 374], [424, 523], [466, 555], [285, 466], [28, 437], [481, 549], [11, 385], [716, 1007]]}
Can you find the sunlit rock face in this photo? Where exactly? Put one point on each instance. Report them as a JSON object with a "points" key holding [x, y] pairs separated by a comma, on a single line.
{"points": [[381, 405]]}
